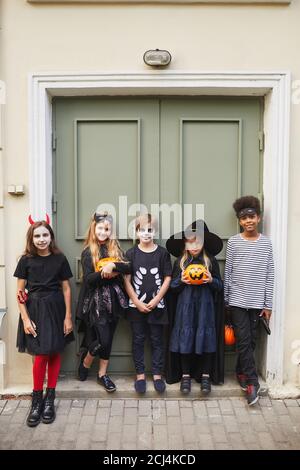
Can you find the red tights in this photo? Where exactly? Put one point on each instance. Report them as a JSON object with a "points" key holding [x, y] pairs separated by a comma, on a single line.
{"points": [[39, 370]]}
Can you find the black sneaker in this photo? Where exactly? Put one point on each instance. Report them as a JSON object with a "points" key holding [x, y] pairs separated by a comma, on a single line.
{"points": [[106, 382], [252, 394], [185, 385], [83, 372], [242, 380], [205, 385]]}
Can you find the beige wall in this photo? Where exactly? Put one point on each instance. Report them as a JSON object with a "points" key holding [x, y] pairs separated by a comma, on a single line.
{"points": [[84, 38]]}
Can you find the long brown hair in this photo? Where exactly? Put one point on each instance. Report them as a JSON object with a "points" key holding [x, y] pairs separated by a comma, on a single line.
{"points": [[30, 249], [112, 244]]}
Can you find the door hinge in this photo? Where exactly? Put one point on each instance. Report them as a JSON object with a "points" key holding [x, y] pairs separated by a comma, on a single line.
{"points": [[54, 203], [54, 140], [261, 140]]}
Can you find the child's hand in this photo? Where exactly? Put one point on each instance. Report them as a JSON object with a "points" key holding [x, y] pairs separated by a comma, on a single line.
{"points": [[29, 327], [142, 307], [68, 326], [185, 279], [210, 279], [107, 270], [152, 304], [109, 275], [266, 313]]}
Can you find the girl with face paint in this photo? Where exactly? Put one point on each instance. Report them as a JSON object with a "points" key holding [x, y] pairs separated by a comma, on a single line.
{"points": [[102, 297], [146, 286], [45, 324]]}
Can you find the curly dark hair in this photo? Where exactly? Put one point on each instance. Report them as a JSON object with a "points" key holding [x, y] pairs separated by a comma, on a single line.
{"points": [[246, 202]]}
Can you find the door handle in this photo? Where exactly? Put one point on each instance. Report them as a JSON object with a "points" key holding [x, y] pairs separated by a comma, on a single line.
{"points": [[78, 277]]}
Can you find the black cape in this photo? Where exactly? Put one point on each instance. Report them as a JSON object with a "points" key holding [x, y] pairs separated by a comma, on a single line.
{"points": [[173, 370]]}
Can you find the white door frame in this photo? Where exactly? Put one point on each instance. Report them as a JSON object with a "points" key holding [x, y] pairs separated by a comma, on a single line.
{"points": [[273, 86]]}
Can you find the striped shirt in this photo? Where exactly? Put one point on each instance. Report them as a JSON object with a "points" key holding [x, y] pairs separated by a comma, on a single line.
{"points": [[249, 273]]}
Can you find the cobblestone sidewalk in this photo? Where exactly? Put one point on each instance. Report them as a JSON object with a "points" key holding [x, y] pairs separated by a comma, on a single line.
{"points": [[155, 424]]}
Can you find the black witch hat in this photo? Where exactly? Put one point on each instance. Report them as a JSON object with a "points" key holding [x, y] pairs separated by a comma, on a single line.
{"points": [[212, 243]]}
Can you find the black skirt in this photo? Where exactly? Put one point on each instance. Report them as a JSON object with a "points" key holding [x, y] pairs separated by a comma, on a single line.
{"points": [[47, 310]]}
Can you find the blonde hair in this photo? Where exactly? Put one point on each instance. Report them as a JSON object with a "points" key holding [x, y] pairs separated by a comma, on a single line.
{"points": [[186, 259], [91, 242]]}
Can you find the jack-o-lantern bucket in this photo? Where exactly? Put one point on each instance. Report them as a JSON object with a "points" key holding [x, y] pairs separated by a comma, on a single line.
{"points": [[229, 336], [196, 273], [102, 262]]}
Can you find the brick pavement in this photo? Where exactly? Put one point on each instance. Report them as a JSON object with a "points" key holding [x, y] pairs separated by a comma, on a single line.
{"points": [[155, 424]]}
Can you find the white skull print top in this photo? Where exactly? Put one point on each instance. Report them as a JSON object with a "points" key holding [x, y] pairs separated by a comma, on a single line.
{"points": [[141, 282], [148, 272]]}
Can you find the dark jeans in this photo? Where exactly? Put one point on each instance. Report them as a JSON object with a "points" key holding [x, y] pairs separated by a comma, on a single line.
{"points": [[186, 360], [139, 332], [245, 322]]}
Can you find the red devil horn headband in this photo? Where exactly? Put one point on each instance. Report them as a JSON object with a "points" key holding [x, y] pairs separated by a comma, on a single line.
{"points": [[31, 221]]}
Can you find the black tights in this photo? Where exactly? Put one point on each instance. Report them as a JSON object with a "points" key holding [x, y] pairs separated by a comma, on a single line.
{"points": [[206, 359], [98, 340]]}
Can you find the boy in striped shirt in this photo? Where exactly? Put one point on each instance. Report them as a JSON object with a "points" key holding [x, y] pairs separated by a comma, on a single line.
{"points": [[248, 288]]}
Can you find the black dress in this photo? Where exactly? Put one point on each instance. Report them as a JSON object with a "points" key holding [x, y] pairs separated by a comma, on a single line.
{"points": [[173, 363], [194, 329], [45, 304]]}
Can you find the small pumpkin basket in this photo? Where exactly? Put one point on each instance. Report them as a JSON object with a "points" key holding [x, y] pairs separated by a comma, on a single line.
{"points": [[196, 273], [102, 262], [229, 336]]}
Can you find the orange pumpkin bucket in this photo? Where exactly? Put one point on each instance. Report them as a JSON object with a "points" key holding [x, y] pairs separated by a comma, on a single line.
{"points": [[102, 262], [229, 335], [196, 273]]}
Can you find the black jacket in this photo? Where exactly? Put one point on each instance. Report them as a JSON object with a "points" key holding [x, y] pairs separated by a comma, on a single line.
{"points": [[92, 279]]}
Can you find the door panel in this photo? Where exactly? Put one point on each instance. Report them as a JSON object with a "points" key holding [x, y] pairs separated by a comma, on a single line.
{"points": [[96, 141], [105, 148], [210, 152], [169, 150]]}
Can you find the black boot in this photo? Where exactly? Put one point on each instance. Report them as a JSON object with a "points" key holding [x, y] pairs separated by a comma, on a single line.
{"points": [[48, 414], [34, 416]]}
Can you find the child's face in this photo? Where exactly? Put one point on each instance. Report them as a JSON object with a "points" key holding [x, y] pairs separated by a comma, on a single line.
{"points": [[41, 238], [146, 233], [249, 222], [103, 231], [194, 246]]}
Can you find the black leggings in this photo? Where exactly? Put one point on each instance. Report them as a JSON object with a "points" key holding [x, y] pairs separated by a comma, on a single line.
{"points": [[206, 360], [99, 339]]}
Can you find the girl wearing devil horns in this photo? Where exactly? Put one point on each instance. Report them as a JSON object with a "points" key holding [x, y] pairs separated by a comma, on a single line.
{"points": [[45, 323]]}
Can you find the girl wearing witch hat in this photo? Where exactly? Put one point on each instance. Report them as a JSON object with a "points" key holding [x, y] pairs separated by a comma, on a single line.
{"points": [[45, 324], [196, 342]]}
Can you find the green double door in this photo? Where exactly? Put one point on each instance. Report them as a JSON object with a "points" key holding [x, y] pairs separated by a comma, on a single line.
{"points": [[121, 151]]}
